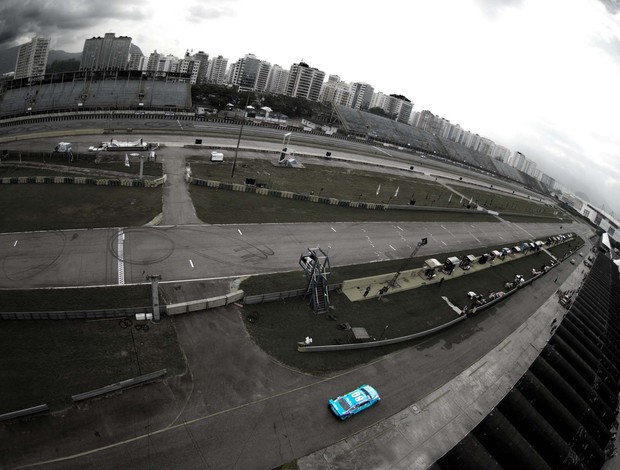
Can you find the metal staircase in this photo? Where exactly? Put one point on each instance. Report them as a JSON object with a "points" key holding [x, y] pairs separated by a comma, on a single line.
{"points": [[315, 264]]}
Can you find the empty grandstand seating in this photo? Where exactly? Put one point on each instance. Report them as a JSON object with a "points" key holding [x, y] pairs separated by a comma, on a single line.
{"points": [[109, 92]]}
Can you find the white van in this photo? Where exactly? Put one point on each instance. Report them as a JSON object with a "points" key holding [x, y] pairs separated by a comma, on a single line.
{"points": [[217, 157]]}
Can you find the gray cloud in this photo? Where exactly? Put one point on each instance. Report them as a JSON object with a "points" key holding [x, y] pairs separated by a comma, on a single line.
{"points": [[613, 6], [22, 19], [612, 47], [571, 168], [492, 7], [199, 12]]}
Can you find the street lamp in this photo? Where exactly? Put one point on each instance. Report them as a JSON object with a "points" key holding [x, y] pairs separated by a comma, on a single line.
{"points": [[285, 144]]}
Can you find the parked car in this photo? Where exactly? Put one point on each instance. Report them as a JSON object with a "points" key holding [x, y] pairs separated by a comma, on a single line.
{"points": [[353, 402]]}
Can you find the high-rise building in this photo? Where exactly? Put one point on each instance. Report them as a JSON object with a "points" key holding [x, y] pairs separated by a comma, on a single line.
{"points": [[106, 53], [304, 82], [159, 62], [137, 61], [32, 58], [399, 107], [360, 95], [245, 72], [262, 76], [203, 60], [335, 91], [277, 79], [216, 70]]}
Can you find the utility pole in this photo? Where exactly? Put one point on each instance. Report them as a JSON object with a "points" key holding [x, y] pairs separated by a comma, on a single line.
{"points": [[247, 101], [421, 243]]}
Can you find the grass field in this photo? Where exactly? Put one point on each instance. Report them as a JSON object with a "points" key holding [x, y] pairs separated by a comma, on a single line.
{"points": [[277, 326], [28, 207], [103, 161], [48, 361]]}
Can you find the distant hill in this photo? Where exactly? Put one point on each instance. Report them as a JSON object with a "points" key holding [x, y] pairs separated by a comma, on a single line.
{"points": [[8, 57]]}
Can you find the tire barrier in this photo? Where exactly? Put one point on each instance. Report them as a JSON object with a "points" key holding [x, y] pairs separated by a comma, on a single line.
{"points": [[127, 182], [290, 195]]}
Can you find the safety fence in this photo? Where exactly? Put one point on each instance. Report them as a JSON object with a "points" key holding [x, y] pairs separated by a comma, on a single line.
{"points": [[127, 182], [274, 296], [76, 314]]}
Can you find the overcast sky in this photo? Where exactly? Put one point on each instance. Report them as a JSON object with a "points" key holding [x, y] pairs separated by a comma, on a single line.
{"points": [[538, 76]]}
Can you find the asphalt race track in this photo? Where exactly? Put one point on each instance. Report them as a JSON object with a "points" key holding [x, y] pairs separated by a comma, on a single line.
{"points": [[237, 408], [91, 257]]}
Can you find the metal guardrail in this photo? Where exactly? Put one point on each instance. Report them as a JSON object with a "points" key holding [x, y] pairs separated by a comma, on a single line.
{"points": [[75, 314], [25, 412], [273, 296], [119, 385]]}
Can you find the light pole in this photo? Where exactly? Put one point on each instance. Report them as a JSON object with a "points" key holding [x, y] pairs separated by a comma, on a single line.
{"points": [[285, 145], [247, 101]]}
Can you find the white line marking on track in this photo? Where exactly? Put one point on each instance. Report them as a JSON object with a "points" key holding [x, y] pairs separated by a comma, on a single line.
{"points": [[191, 263], [333, 229], [15, 244], [120, 252], [239, 230], [443, 242], [475, 238], [399, 228], [392, 247]]}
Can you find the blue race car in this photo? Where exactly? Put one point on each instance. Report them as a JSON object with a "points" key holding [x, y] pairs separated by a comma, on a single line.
{"points": [[353, 402]]}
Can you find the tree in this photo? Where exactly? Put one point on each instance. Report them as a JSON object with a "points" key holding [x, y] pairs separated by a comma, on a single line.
{"points": [[58, 66]]}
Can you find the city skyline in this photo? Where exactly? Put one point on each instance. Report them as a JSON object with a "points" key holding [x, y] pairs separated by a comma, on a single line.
{"points": [[536, 78]]}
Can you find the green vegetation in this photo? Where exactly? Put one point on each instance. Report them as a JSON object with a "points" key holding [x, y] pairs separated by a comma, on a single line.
{"points": [[501, 202], [96, 164], [99, 298], [219, 97], [28, 207], [48, 361]]}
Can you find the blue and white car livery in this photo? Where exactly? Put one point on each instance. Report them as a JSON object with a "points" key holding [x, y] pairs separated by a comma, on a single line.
{"points": [[353, 402]]}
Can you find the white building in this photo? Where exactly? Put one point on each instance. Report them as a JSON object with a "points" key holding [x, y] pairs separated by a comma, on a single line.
{"points": [[32, 58], [216, 70], [106, 53], [304, 82], [276, 81]]}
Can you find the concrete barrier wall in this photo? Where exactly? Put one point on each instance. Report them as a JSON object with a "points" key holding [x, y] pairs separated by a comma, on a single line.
{"points": [[118, 386], [342, 347], [204, 304]]}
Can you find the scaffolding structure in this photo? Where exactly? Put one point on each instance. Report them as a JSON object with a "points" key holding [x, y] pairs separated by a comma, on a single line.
{"points": [[315, 264]]}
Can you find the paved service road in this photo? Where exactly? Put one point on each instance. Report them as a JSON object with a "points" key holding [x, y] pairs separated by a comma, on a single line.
{"points": [[239, 409]]}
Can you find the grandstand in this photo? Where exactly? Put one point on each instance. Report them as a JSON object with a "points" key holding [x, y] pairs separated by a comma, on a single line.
{"points": [[378, 128], [95, 90]]}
